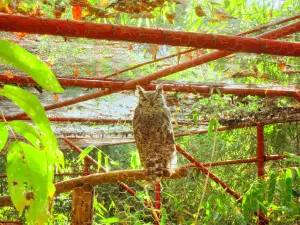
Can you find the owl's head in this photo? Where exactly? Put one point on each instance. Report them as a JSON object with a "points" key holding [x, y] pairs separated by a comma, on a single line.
{"points": [[151, 98]]}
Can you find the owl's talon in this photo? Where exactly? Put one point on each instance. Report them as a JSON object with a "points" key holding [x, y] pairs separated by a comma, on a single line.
{"points": [[167, 173]]}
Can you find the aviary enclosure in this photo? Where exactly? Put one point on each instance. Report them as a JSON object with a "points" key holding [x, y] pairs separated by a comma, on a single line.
{"points": [[230, 75]]}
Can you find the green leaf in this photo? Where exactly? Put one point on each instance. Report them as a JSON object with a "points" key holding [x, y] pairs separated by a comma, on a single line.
{"points": [[102, 207], [4, 3], [3, 135], [218, 91], [112, 205], [110, 220], [106, 163], [246, 207], [84, 153], [135, 162], [164, 217], [27, 131], [114, 163], [298, 172], [99, 159], [288, 186], [213, 124], [30, 64], [196, 117], [293, 157], [254, 204], [29, 170], [31, 105], [271, 189]]}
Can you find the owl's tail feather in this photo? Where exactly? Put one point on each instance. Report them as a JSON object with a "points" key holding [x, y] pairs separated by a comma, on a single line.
{"points": [[156, 170]]}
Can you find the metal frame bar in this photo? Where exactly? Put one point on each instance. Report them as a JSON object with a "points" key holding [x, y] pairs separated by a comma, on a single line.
{"points": [[280, 32], [71, 28]]}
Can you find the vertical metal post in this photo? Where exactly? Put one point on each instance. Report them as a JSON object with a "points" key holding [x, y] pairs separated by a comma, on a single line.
{"points": [[260, 150], [157, 198], [260, 158]]}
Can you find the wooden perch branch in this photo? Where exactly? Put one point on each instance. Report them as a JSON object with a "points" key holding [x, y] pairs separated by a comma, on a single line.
{"points": [[71, 28], [96, 179]]}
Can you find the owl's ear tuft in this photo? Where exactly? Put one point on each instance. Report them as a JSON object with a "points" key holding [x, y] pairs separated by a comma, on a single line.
{"points": [[140, 90], [159, 88]]}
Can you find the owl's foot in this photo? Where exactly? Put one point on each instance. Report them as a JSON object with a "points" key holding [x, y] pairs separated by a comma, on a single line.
{"points": [[167, 173]]}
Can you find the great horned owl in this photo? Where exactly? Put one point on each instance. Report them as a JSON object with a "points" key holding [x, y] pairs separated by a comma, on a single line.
{"points": [[154, 134]]}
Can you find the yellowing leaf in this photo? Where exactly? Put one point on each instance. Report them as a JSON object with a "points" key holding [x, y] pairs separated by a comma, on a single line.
{"points": [[199, 11], [50, 64], [243, 73], [170, 17], [281, 65], [76, 12], [21, 35], [76, 73], [214, 20], [222, 14], [296, 105], [9, 74], [88, 72], [264, 76], [153, 51], [189, 55], [56, 97], [200, 52]]}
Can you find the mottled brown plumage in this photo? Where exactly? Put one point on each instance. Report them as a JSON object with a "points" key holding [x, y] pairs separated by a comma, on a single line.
{"points": [[153, 133]]}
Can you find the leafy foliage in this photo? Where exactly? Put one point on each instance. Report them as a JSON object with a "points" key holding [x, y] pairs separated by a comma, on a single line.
{"points": [[30, 167], [28, 63]]}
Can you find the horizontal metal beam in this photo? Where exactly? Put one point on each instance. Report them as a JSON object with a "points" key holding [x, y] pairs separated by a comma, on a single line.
{"points": [[71, 28], [116, 85]]}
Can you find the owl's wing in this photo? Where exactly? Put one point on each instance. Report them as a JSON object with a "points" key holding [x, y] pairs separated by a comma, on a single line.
{"points": [[138, 137], [168, 130]]}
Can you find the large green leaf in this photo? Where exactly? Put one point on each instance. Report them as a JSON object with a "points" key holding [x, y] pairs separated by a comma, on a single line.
{"points": [[33, 108], [288, 186], [27, 131], [3, 135], [271, 189], [29, 170], [30, 64]]}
